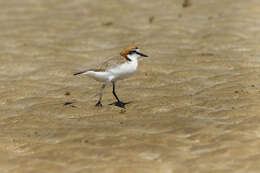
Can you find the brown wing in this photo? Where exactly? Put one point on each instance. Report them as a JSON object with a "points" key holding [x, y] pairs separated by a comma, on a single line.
{"points": [[105, 65], [109, 63]]}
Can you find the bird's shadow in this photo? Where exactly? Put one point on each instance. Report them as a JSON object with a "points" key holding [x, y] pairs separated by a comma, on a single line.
{"points": [[120, 104]]}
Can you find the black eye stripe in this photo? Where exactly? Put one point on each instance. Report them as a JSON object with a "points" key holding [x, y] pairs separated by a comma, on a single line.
{"points": [[132, 51]]}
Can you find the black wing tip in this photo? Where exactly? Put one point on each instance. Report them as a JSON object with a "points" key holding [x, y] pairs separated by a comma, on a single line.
{"points": [[79, 73]]}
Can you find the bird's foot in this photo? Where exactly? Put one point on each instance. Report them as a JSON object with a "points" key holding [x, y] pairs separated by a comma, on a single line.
{"points": [[120, 104], [99, 104]]}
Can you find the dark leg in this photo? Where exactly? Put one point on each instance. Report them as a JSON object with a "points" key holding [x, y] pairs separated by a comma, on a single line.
{"points": [[114, 91], [100, 95], [119, 103]]}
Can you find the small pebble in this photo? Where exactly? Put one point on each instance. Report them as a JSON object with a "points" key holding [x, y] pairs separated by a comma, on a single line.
{"points": [[67, 103], [67, 93], [108, 23], [122, 111], [186, 3], [151, 19]]}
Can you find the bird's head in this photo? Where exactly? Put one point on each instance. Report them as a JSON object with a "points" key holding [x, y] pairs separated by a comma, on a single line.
{"points": [[132, 53]]}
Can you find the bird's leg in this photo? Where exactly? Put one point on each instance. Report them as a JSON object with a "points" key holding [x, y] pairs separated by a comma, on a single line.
{"points": [[114, 91], [119, 103], [100, 95]]}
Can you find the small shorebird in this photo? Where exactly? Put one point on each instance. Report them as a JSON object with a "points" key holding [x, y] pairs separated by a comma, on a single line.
{"points": [[115, 69]]}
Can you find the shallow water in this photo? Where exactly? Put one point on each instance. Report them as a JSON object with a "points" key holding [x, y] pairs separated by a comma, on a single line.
{"points": [[194, 103]]}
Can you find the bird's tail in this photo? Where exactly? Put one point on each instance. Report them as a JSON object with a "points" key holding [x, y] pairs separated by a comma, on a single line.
{"points": [[78, 73]]}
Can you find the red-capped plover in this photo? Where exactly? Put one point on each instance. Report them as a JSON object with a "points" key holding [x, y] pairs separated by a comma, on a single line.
{"points": [[115, 69]]}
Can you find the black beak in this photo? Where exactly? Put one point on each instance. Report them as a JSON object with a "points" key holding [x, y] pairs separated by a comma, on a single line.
{"points": [[141, 54]]}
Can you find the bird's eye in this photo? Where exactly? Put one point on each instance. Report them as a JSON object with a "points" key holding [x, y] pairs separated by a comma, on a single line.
{"points": [[131, 52]]}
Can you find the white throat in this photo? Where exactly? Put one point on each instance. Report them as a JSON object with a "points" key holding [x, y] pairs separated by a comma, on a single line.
{"points": [[133, 57]]}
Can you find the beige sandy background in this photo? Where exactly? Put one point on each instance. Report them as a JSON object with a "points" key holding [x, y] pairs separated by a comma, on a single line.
{"points": [[194, 102]]}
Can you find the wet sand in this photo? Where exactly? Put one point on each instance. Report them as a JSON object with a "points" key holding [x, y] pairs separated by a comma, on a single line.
{"points": [[194, 102]]}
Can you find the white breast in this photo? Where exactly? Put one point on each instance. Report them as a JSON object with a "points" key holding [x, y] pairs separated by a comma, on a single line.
{"points": [[124, 70]]}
